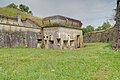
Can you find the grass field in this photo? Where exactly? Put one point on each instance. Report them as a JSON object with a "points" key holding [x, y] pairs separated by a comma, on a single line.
{"points": [[97, 61]]}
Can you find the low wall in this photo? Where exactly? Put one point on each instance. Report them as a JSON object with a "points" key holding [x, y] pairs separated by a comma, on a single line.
{"points": [[100, 36]]}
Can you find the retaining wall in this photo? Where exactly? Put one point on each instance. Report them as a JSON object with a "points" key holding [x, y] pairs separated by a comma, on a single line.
{"points": [[100, 36], [15, 36]]}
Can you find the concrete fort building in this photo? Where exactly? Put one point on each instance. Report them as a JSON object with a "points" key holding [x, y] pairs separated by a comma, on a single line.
{"points": [[15, 32], [56, 32], [62, 33]]}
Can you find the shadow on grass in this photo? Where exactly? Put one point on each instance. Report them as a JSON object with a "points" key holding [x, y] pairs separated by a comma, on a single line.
{"points": [[89, 45], [109, 46]]}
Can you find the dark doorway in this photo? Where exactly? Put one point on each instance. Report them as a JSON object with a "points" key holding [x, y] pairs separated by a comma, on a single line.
{"points": [[39, 42], [78, 41], [51, 44]]}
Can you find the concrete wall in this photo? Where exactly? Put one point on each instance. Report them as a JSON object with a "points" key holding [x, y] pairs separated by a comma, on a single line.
{"points": [[101, 36], [30, 23], [15, 36], [63, 20], [62, 37], [6, 20], [49, 35], [71, 35], [15, 32]]}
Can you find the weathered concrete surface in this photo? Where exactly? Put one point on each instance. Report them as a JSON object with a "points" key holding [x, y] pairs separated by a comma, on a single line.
{"points": [[101, 36], [63, 20], [15, 36], [62, 37], [15, 32]]}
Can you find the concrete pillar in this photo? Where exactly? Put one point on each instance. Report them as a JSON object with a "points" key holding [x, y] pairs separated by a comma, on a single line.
{"points": [[81, 40], [61, 46], [69, 41], [75, 41], [47, 46], [19, 20]]}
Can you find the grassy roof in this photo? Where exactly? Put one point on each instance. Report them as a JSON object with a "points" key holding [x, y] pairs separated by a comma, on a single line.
{"points": [[11, 12], [61, 24]]}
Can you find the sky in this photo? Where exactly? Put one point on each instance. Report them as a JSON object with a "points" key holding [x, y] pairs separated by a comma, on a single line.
{"points": [[89, 12]]}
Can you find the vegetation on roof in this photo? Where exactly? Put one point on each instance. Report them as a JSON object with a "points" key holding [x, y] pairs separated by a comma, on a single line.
{"points": [[62, 17], [66, 23], [11, 12], [20, 7], [61, 24], [99, 31]]}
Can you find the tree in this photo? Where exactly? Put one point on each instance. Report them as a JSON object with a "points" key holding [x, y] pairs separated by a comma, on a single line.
{"points": [[106, 25], [24, 8], [30, 12], [98, 29], [84, 31], [12, 5], [89, 28]]}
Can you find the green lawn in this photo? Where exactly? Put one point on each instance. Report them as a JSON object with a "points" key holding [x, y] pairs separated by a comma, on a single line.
{"points": [[97, 61]]}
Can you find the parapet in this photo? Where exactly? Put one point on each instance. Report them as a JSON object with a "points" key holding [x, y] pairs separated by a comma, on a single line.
{"points": [[64, 20]]}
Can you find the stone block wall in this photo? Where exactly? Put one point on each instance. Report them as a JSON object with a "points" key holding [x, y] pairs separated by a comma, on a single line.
{"points": [[61, 37], [101, 36], [15, 36]]}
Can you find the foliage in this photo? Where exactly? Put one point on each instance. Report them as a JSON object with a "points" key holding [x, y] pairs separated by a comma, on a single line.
{"points": [[13, 12], [117, 9], [106, 25], [99, 28], [21, 7], [97, 61], [84, 30], [61, 24], [89, 28], [24, 8], [12, 5], [30, 12], [42, 45]]}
